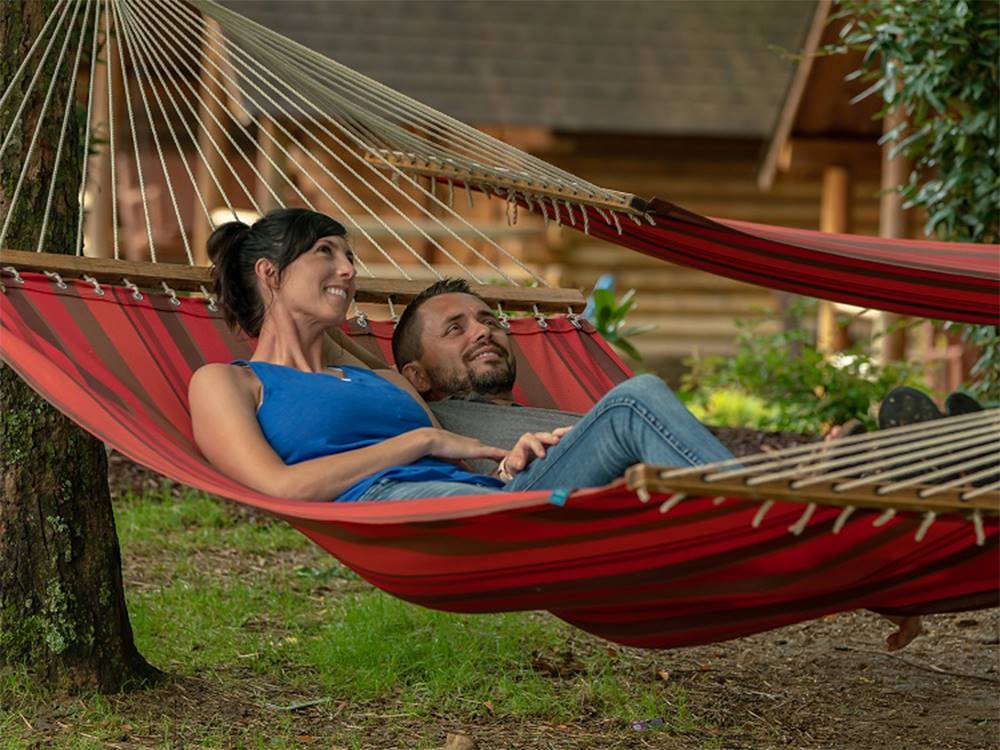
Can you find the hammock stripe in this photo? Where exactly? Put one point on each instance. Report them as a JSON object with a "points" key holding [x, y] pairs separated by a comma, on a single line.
{"points": [[604, 561], [941, 280]]}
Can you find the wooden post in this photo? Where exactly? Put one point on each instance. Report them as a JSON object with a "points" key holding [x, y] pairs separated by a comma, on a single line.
{"points": [[213, 162], [835, 215], [99, 218], [266, 147], [893, 221]]}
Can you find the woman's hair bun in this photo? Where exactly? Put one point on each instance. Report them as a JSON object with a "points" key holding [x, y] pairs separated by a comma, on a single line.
{"points": [[225, 241]]}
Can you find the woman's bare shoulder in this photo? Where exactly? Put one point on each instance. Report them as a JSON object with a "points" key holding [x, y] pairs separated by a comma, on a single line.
{"points": [[220, 375]]}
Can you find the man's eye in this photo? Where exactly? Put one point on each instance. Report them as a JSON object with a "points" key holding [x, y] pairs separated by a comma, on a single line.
{"points": [[453, 328]]}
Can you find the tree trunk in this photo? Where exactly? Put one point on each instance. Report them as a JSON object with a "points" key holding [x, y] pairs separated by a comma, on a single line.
{"points": [[62, 606]]}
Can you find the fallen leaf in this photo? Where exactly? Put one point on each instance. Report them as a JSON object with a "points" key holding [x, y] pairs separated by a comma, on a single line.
{"points": [[663, 675], [457, 741], [489, 706]]}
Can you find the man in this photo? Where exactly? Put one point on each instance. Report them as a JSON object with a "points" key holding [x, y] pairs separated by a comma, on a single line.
{"points": [[450, 346]]}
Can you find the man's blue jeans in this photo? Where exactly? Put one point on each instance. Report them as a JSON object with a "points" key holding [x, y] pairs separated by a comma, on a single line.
{"points": [[638, 421]]}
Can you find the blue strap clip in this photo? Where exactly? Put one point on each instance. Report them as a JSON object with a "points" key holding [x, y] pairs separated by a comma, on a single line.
{"points": [[558, 497]]}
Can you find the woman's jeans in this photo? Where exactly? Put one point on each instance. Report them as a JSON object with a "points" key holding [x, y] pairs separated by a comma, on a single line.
{"points": [[638, 421]]}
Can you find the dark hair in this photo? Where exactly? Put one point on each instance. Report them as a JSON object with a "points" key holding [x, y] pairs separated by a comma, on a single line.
{"points": [[406, 338], [234, 248]]}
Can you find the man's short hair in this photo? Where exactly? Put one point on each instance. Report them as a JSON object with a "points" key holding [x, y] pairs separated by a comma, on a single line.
{"points": [[406, 338]]}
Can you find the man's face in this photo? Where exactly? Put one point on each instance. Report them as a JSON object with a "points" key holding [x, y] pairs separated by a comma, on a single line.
{"points": [[463, 349]]}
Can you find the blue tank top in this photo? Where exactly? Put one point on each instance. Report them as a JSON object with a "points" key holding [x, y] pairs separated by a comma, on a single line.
{"points": [[305, 415]]}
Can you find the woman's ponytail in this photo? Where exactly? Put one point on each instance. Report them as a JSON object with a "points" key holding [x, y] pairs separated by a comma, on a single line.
{"points": [[233, 290]]}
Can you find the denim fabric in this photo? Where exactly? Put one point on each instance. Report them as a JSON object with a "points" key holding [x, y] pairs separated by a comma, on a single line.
{"points": [[391, 489], [638, 421]]}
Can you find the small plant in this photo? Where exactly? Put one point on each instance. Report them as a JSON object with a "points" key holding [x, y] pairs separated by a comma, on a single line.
{"points": [[608, 316], [788, 384], [731, 407]]}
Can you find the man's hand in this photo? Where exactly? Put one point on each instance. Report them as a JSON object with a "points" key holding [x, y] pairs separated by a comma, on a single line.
{"points": [[530, 445]]}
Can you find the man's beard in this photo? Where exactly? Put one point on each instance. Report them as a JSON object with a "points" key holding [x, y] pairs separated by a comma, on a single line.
{"points": [[494, 381]]}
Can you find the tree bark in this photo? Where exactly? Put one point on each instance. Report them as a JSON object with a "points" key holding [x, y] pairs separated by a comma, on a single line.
{"points": [[62, 605]]}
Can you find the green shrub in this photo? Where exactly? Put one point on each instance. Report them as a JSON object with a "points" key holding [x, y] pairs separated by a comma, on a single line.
{"points": [[780, 381]]}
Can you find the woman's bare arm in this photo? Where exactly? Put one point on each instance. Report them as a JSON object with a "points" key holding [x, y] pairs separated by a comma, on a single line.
{"points": [[223, 416]]}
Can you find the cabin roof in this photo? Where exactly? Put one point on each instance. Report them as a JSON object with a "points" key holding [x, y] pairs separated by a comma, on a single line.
{"points": [[711, 67]]}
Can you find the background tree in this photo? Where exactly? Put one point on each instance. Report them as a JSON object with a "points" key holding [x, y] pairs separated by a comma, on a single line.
{"points": [[62, 606], [938, 61]]}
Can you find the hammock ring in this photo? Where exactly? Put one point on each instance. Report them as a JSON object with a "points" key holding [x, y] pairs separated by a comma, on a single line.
{"points": [[56, 278], [502, 317], [574, 319], [360, 319], [96, 284], [13, 272], [211, 299], [393, 316], [136, 294], [173, 295], [542, 323]]}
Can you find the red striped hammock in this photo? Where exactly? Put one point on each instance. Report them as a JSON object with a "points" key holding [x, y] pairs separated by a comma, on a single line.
{"points": [[603, 561], [924, 278]]}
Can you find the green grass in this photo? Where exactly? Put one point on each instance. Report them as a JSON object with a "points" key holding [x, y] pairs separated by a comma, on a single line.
{"points": [[215, 595]]}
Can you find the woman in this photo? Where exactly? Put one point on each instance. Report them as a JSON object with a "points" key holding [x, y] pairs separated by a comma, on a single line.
{"points": [[284, 423]]}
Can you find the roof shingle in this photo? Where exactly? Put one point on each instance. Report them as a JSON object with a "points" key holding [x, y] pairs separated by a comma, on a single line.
{"points": [[703, 67]]}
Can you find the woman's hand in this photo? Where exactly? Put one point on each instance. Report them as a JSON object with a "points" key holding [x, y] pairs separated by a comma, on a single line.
{"points": [[449, 445], [530, 445]]}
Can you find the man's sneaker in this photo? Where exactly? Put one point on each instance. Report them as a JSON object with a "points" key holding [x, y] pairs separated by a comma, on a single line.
{"points": [[904, 405], [961, 403]]}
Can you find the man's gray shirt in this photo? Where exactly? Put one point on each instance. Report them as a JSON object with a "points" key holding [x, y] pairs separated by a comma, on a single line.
{"points": [[496, 424]]}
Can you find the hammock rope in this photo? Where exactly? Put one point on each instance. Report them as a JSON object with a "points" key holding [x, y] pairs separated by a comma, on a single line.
{"points": [[169, 48], [251, 116]]}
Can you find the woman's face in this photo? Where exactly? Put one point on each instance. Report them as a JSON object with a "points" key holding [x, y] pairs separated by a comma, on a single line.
{"points": [[320, 282]]}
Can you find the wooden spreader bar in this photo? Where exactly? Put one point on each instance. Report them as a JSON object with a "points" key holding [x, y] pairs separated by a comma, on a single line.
{"points": [[192, 278], [623, 202], [646, 478]]}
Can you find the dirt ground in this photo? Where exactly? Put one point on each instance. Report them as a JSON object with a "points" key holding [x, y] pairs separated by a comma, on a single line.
{"points": [[822, 684]]}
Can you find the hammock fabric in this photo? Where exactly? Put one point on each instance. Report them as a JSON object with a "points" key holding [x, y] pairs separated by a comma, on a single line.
{"points": [[601, 559], [942, 280]]}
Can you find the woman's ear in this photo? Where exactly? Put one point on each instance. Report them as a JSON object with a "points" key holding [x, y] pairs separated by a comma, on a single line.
{"points": [[417, 376], [266, 272]]}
